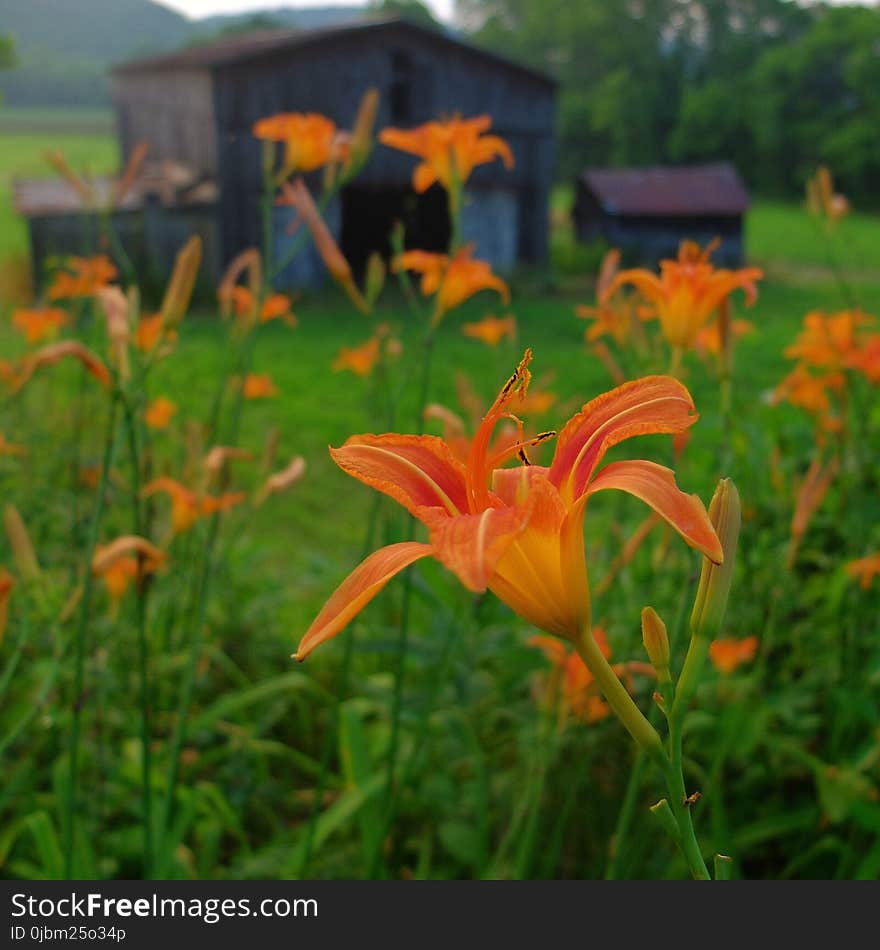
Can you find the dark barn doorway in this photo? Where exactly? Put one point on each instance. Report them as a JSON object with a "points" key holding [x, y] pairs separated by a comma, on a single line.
{"points": [[369, 214]]}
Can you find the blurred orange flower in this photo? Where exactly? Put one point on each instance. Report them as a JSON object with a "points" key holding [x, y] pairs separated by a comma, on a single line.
{"points": [[259, 386], [828, 341], [82, 277], [150, 332], [159, 413], [688, 290], [10, 448], [491, 330], [865, 569], [359, 359], [310, 139], [728, 653], [41, 324], [450, 149], [123, 561], [517, 531], [866, 359], [452, 280], [186, 505]]}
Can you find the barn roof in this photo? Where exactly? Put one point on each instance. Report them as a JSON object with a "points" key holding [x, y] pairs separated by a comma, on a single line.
{"points": [[249, 46], [688, 190]]}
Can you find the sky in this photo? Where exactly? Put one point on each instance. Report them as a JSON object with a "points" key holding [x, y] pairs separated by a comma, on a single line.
{"points": [[442, 9]]}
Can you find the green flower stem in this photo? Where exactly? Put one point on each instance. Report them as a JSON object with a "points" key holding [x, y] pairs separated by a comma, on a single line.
{"points": [[80, 640], [649, 740], [143, 646], [618, 698]]}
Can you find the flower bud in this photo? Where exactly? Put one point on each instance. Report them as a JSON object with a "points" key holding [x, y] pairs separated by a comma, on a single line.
{"points": [[711, 600], [20, 542], [656, 641]]}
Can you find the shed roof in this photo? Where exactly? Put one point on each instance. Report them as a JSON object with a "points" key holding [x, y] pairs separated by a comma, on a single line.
{"points": [[249, 46], [687, 190]]}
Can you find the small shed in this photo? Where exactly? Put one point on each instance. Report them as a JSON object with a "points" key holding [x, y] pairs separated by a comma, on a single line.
{"points": [[646, 212], [197, 108]]}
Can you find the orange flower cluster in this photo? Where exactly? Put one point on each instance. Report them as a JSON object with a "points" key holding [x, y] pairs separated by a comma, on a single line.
{"points": [[614, 315], [39, 325], [827, 347], [82, 277]]}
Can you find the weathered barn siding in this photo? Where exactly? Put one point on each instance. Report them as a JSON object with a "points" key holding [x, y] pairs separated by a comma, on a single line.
{"points": [[197, 107], [419, 78], [173, 111]]}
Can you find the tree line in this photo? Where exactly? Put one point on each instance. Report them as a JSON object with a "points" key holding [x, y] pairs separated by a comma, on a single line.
{"points": [[774, 86]]}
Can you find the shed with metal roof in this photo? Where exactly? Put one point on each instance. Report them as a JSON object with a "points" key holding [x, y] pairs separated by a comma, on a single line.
{"points": [[646, 212]]}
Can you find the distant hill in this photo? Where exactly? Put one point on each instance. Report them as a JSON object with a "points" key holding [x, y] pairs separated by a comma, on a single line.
{"points": [[65, 47]]}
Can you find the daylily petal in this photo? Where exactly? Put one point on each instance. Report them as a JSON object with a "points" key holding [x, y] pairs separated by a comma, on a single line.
{"points": [[357, 590], [655, 485], [418, 471], [471, 545], [653, 404]]}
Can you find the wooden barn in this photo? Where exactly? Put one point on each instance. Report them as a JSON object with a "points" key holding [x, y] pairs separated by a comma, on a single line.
{"points": [[646, 212], [196, 108]]}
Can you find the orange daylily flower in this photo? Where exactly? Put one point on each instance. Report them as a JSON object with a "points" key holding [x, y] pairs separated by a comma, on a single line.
{"points": [[259, 386], [866, 359], [452, 280], [865, 569], [491, 330], [570, 686], [186, 505], [517, 531], [151, 331], [124, 560], [310, 139], [10, 448], [275, 306], [450, 150], [618, 317], [728, 653], [828, 341], [82, 277], [41, 324], [359, 359], [688, 290], [159, 413]]}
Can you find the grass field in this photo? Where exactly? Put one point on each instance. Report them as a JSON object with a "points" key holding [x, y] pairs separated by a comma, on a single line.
{"points": [[427, 754]]}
